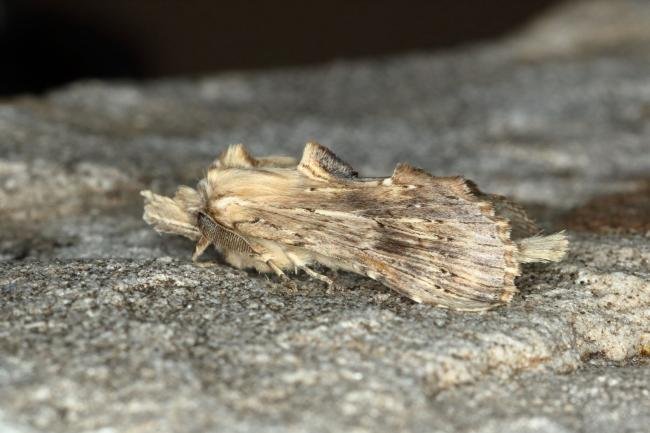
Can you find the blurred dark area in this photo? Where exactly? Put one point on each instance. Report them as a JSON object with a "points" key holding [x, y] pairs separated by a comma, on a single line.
{"points": [[46, 43]]}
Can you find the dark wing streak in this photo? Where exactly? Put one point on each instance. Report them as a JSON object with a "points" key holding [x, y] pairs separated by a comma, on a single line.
{"points": [[452, 284], [451, 270], [424, 289], [445, 263], [522, 225], [345, 202], [416, 239]]}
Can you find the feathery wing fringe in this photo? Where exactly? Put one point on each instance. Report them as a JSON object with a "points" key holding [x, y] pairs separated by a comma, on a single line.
{"points": [[551, 248]]}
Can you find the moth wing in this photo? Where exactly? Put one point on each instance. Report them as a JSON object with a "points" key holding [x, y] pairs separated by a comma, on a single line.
{"points": [[429, 238]]}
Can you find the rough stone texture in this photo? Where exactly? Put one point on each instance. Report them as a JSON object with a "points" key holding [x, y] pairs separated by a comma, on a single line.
{"points": [[107, 327]]}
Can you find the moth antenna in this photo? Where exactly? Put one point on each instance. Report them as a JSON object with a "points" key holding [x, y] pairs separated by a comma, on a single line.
{"points": [[551, 248]]}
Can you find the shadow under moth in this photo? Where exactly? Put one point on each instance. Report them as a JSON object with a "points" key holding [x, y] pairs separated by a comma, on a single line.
{"points": [[436, 240]]}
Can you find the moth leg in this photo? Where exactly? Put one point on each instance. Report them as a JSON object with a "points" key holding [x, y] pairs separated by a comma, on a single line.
{"points": [[201, 245], [312, 273], [286, 280], [324, 278], [277, 270]]}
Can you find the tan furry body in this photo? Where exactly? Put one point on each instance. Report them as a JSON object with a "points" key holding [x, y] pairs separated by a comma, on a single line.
{"points": [[436, 240]]}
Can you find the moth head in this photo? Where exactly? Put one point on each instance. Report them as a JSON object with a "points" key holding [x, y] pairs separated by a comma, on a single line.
{"points": [[192, 201]]}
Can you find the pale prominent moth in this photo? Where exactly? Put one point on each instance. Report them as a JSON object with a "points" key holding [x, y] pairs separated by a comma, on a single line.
{"points": [[437, 240]]}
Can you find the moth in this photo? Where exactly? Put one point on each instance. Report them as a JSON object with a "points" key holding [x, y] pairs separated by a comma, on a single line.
{"points": [[436, 240]]}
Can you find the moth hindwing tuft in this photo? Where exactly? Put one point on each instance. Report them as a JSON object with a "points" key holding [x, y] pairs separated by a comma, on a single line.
{"points": [[319, 161]]}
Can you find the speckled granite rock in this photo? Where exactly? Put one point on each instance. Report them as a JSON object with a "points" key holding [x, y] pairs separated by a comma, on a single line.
{"points": [[107, 327]]}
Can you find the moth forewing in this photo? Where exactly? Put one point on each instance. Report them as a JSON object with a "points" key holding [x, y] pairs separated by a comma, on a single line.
{"points": [[437, 240]]}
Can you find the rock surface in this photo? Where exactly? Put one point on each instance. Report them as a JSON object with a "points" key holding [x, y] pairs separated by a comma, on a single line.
{"points": [[106, 326]]}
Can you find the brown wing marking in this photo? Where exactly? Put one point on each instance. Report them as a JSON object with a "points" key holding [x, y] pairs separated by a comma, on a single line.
{"points": [[522, 226], [454, 186], [505, 215]]}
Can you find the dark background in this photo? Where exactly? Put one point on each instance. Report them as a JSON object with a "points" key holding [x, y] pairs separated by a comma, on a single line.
{"points": [[46, 43]]}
